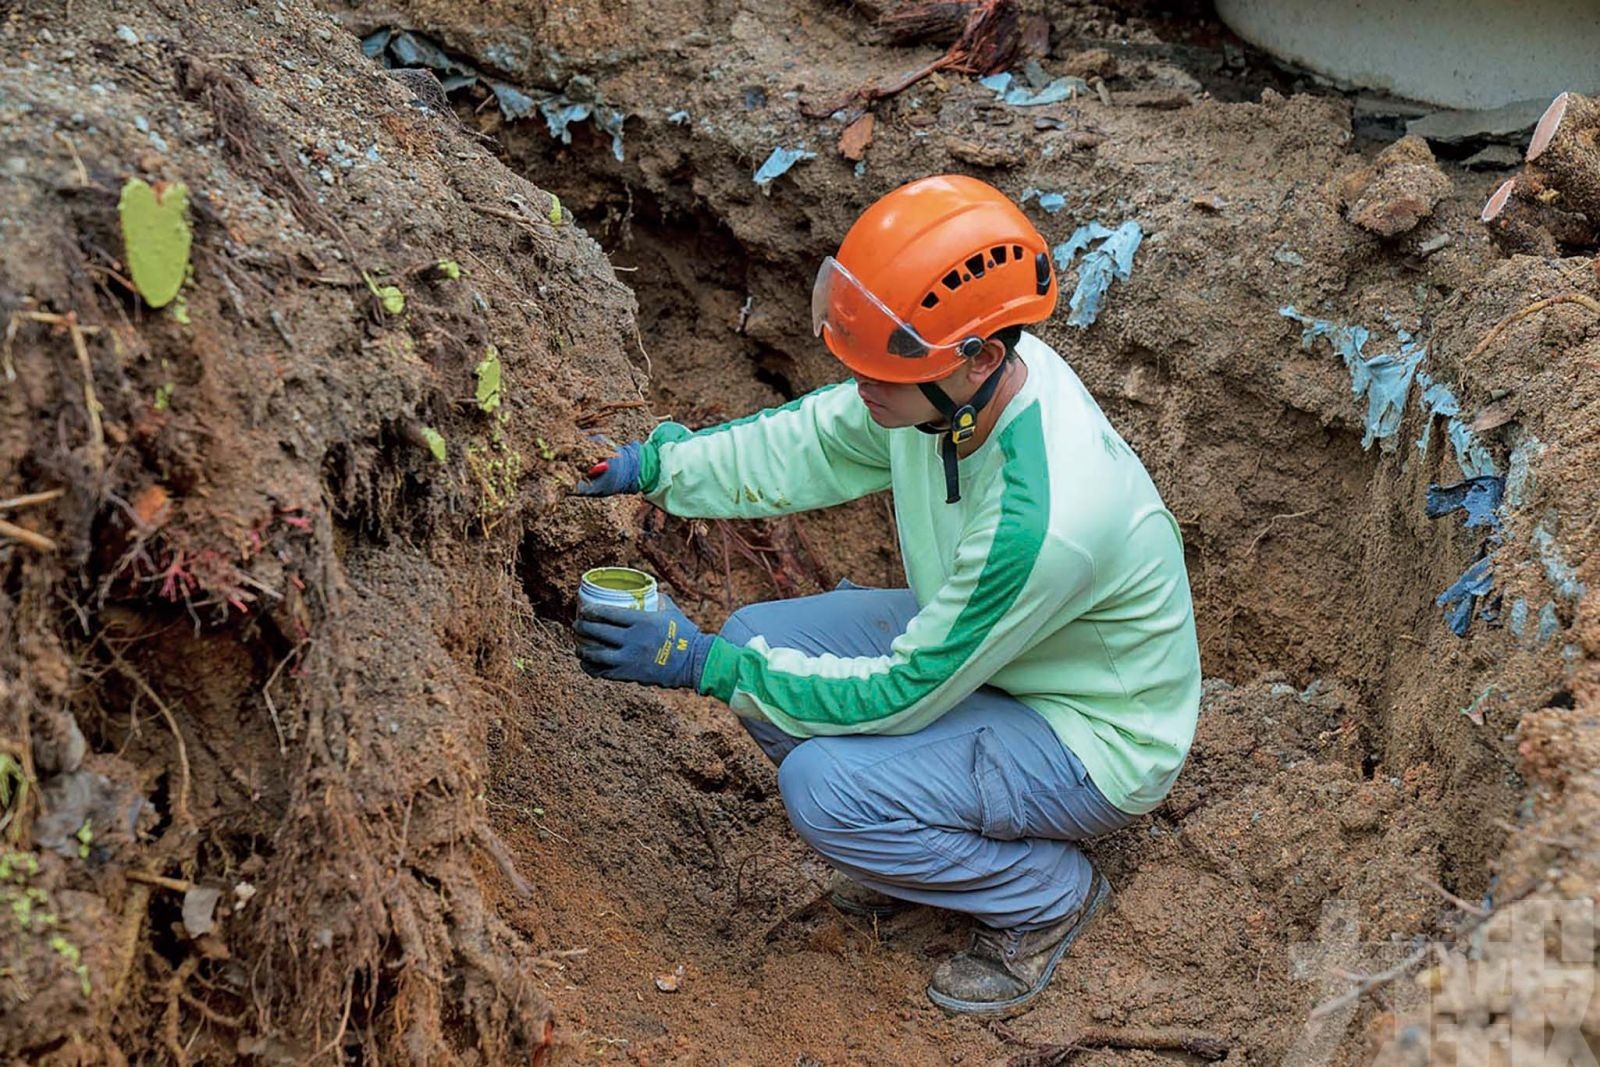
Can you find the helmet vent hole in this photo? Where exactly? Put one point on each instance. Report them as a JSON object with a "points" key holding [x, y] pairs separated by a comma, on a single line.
{"points": [[999, 254], [931, 300], [952, 280], [1016, 251], [975, 265]]}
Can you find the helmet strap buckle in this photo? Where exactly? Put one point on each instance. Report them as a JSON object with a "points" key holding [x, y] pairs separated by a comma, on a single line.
{"points": [[963, 424]]}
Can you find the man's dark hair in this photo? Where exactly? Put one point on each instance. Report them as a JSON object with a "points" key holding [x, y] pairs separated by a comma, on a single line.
{"points": [[1009, 337]]}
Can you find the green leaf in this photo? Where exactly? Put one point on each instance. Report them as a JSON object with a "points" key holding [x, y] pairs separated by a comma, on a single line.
{"points": [[164, 396], [155, 233], [390, 296], [436, 443], [449, 268], [488, 373], [555, 210]]}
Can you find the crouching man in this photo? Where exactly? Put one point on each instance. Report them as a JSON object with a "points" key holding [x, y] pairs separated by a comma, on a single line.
{"points": [[953, 742]]}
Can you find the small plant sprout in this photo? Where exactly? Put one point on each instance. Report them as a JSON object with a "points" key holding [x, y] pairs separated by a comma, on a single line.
{"points": [[488, 373], [180, 310], [449, 268], [155, 233], [436, 443], [85, 836], [390, 296], [163, 396], [545, 451], [555, 210]]}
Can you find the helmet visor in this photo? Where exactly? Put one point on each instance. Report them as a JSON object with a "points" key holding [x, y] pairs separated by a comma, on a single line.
{"points": [[858, 326]]}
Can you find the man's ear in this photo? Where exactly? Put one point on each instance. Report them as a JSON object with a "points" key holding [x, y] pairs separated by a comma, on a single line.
{"points": [[988, 358]]}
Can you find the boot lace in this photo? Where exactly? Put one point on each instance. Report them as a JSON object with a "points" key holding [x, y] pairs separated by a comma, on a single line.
{"points": [[996, 944]]}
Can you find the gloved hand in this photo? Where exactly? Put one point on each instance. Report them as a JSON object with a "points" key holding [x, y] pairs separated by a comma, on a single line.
{"points": [[619, 474], [659, 647]]}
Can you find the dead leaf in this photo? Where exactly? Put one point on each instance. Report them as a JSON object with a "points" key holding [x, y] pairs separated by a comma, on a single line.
{"points": [[856, 137], [199, 907], [152, 506], [1494, 415], [670, 983]]}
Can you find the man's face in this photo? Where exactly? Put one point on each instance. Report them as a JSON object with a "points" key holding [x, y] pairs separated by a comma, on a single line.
{"points": [[895, 404]]}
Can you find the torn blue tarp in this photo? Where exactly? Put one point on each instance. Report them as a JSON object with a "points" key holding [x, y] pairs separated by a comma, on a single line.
{"points": [[1478, 497], [1384, 379], [1562, 576], [409, 50], [1049, 203], [1006, 91], [373, 44], [560, 113], [1458, 599], [778, 164], [1549, 621], [1067, 250], [1520, 479], [1439, 399], [400, 48], [1108, 261]]}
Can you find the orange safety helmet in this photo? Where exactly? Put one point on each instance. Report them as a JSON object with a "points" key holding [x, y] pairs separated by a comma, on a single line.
{"points": [[926, 274]]}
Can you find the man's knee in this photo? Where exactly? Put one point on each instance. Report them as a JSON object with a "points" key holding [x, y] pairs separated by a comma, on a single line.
{"points": [[816, 793]]}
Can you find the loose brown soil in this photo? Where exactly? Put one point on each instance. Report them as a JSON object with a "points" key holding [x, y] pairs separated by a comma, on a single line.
{"points": [[281, 652]]}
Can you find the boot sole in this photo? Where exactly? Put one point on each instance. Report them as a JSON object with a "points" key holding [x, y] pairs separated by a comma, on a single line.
{"points": [[1100, 893]]}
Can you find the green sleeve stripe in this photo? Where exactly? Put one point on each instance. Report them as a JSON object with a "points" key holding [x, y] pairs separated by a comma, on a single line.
{"points": [[912, 675]]}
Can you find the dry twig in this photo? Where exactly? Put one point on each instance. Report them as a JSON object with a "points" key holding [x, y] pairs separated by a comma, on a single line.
{"points": [[177, 885], [1196, 1043], [1538, 305], [30, 499], [1367, 983], [180, 803], [26, 536]]}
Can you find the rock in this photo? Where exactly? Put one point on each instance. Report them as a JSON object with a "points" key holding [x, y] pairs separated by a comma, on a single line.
{"points": [[1398, 190], [1093, 63], [983, 153]]}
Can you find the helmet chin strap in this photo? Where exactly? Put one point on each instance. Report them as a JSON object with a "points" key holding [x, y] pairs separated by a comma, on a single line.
{"points": [[960, 423]]}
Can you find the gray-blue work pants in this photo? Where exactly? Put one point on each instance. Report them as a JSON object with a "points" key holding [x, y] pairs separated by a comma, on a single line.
{"points": [[979, 812]]}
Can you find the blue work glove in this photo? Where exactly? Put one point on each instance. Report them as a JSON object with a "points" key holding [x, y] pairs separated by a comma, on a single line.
{"points": [[619, 474], [651, 647]]}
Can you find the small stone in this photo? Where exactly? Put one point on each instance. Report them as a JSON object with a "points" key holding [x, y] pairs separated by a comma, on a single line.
{"points": [[126, 35]]}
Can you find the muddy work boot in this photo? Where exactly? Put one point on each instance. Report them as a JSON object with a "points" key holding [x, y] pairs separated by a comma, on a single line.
{"points": [[856, 899], [1004, 970]]}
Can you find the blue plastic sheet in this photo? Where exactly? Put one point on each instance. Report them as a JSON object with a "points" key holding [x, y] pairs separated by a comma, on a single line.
{"points": [[1049, 203], [778, 164], [1459, 598], [399, 48], [1478, 497], [1562, 576], [1007, 90], [1439, 399], [1109, 260], [1384, 379]]}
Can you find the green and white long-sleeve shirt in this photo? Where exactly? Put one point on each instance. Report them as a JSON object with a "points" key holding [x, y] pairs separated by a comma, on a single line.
{"points": [[1058, 577]]}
